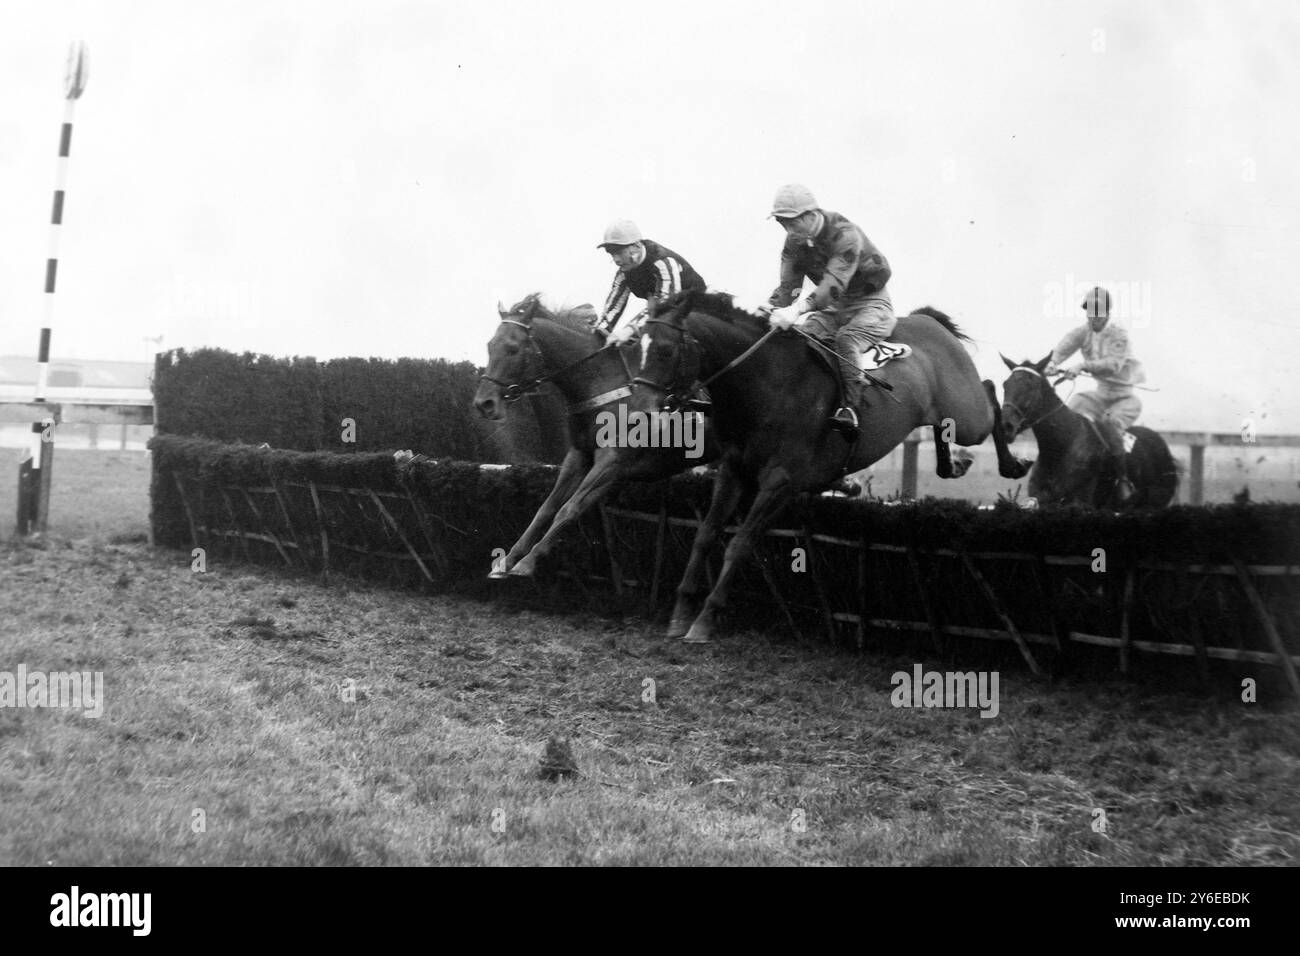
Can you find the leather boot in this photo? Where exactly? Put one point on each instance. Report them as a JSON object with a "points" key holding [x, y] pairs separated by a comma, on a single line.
{"points": [[1119, 456], [845, 419]]}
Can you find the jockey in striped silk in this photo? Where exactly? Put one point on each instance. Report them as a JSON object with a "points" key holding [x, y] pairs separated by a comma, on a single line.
{"points": [[1108, 357], [645, 269]]}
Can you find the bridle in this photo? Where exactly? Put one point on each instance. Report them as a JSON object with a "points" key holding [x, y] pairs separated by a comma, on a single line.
{"points": [[1025, 426], [688, 341], [513, 391], [671, 398]]}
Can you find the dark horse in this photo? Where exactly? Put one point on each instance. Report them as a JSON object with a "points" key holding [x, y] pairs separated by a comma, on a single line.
{"points": [[533, 345], [773, 397], [1074, 465]]}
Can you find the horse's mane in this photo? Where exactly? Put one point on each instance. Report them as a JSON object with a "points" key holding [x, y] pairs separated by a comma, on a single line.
{"points": [[943, 320], [576, 318], [719, 305]]}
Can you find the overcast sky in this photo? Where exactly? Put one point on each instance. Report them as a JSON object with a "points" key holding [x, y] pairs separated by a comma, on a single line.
{"points": [[337, 179]]}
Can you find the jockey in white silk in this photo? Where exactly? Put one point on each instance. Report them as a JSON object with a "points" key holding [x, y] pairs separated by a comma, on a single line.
{"points": [[1108, 358]]}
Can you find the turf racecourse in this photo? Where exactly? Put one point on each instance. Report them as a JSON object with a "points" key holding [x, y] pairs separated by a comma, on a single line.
{"points": [[255, 717]]}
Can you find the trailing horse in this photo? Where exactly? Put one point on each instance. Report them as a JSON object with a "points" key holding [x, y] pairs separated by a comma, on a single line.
{"points": [[773, 396], [533, 346], [1074, 464]]}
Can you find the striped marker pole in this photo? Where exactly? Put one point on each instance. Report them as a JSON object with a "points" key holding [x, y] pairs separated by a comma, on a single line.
{"points": [[34, 472]]}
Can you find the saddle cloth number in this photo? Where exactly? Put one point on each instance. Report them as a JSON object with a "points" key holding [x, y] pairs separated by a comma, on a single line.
{"points": [[875, 356]]}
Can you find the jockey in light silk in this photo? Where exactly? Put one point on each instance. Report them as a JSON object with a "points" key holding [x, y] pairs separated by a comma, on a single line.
{"points": [[850, 305], [1107, 356], [645, 269]]}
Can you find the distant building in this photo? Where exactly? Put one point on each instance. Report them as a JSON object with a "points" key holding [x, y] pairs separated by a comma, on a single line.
{"points": [[74, 380], [88, 373]]}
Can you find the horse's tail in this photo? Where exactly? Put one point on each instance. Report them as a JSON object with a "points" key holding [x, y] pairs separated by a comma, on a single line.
{"points": [[1163, 469], [943, 320]]}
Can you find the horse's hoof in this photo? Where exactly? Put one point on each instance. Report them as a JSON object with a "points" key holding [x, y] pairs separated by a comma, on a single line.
{"points": [[843, 486], [524, 569], [677, 628], [498, 575], [698, 635]]}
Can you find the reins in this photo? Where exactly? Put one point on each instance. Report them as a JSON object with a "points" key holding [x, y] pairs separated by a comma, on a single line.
{"points": [[513, 391], [1040, 418]]}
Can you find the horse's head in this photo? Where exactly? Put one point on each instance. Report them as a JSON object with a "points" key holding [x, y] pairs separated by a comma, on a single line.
{"points": [[512, 357], [1024, 395], [670, 356]]}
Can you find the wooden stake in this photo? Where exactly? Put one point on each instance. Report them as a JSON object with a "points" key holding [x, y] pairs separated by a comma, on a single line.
{"points": [[930, 614], [1125, 635], [426, 528], [615, 572], [288, 521], [398, 531], [189, 514], [864, 605], [828, 616], [1266, 619], [1006, 618], [770, 579], [234, 518], [324, 538], [660, 535], [262, 521]]}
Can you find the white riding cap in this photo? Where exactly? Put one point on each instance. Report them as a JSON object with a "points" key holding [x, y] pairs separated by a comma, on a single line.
{"points": [[621, 232], [792, 200]]}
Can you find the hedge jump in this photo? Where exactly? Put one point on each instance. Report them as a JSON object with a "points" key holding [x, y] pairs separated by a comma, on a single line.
{"points": [[1143, 603]]}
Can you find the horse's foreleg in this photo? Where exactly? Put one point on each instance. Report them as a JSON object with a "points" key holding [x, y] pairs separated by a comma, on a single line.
{"points": [[946, 464], [727, 490], [772, 499], [575, 465], [1009, 466], [594, 486], [942, 459]]}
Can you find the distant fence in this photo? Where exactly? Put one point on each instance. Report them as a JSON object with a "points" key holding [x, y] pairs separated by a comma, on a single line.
{"points": [[1210, 583], [1196, 441], [35, 471]]}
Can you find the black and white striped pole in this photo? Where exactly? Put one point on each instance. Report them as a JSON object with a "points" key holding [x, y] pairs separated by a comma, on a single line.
{"points": [[34, 472]]}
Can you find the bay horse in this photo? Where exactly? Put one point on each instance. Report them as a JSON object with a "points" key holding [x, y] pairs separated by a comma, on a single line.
{"points": [[773, 396], [1074, 463], [533, 345]]}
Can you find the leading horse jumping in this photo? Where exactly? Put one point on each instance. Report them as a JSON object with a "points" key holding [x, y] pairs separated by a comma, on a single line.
{"points": [[772, 399]]}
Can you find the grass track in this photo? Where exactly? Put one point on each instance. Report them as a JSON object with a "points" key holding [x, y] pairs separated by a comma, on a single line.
{"points": [[223, 696]]}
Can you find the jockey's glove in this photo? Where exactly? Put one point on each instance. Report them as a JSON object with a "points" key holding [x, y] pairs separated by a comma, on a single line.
{"points": [[784, 318], [620, 335]]}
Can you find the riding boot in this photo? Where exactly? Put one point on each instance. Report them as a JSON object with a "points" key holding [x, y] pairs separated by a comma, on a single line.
{"points": [[845, 419], [1119, 456]]}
